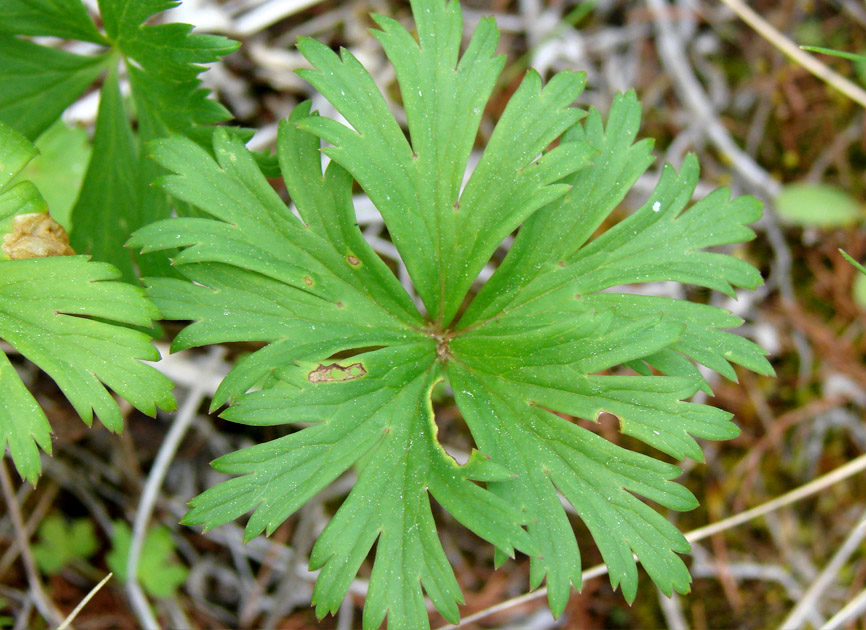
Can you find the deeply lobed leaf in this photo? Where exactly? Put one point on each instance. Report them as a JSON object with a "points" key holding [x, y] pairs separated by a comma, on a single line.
{"points": [[375, 405], [66, 314], [163, 63], [541, 351], [55, 18], [40, 82], [416, 183]]}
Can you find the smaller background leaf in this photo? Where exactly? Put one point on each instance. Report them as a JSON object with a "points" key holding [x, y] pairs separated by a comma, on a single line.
{"points": [[59, 168], [40, 82], [58, 18], [62, 541], [157, 571], [818, 205], [859, 291], [109, 206], [170, 50]]}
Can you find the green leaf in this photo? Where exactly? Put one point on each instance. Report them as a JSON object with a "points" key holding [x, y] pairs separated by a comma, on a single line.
{"points": [[24, 427], [167, 50], [159, 575], [62, 542], [818, 205], [163, 63], [566, 224], [702, 338], [47, 305], [168, 100], [669, 249], [836, 53], [532, 359], [15, 152], [40, 82], [444, 236], [847, 257], [858, 291], [547, 453], [303, 289], [58, 170], [374, 405], [58, 18], [58, 312], [108, 208]]}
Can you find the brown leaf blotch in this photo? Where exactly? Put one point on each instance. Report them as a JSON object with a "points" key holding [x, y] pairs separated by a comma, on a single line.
{"points": [[36, 235], [335, 373]]}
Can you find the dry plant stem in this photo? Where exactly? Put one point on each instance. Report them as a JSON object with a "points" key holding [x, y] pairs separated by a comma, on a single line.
{"points": [[674, 58], [843, 472], [269, 13], [45, 502], [672, 609], [24, 614], [850, 612], [752, 571], [813, 487], [748, 468], [790, 49], [812, 596], [345, 614], [167, 450], [43, 602], [71, 617], [251, 606]]}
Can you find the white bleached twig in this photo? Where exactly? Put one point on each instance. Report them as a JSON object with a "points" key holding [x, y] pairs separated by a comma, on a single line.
{"points": [[167, 450], [269, 13], [852, 609], [798, 614], [800, 57], [71, 616]]}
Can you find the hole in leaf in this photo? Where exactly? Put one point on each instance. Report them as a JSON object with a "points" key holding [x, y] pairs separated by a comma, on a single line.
{"points": [[335, 373], [452, 431]]}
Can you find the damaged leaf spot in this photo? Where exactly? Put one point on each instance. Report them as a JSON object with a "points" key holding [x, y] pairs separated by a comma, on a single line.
{"points": [[36, 235], [308, 281], [335, 373], [353, 260]]}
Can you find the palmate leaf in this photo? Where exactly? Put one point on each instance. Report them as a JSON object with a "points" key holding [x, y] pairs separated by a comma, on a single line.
{"points": [[375, 405], [163, 63], [58, 312], [57, 18], [159, 574], [547, 338], [443, 236], [312, 291], [62, 542], [40, 82]]}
